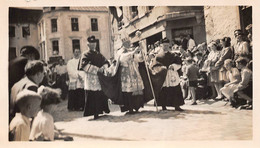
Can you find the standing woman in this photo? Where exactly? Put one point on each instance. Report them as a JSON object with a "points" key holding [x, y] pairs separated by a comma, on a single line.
{"points": [[226, 53], [131, 81], [95, 100], [214, 73]]}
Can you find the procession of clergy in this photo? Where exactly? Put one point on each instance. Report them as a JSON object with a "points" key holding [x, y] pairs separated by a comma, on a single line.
{"points": [[164, 73]]}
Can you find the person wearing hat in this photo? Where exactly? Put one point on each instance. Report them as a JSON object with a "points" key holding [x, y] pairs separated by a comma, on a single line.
{"points": [[131, 82], [91, 60], [171, 94], [241, 48]]}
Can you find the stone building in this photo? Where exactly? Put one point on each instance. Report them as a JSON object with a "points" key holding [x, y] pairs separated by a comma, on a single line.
{"points": [[62, 29], [56, 31], [157, 22], [205, 23], [22, 29], [221, 21]]}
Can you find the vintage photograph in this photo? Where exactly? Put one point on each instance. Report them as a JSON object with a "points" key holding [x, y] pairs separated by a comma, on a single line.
{"points": [[130, 73]]}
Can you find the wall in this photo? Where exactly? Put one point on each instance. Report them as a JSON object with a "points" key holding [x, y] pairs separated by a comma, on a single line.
{"points": [[221, 21]]}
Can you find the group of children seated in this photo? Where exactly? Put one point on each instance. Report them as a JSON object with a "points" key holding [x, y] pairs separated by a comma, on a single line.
{"points": [[34, 121]]}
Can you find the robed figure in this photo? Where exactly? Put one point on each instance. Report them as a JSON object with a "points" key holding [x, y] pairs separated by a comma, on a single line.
{"points": [[96, 102]]}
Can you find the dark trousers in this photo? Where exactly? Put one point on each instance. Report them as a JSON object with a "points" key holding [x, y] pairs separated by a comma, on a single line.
{"points": [[76, 99], [96, 103]]}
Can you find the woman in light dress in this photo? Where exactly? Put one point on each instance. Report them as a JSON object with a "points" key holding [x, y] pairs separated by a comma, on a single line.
{"points": [[234, 78]]}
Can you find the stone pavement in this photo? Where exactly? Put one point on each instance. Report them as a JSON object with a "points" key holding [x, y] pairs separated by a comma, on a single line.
{"points": [[209, 120]]}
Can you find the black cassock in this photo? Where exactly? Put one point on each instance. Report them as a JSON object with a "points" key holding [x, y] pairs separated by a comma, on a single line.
{"points": [[96, 101], [169, 96]]}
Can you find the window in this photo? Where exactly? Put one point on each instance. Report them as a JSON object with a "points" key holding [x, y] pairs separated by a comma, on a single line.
{"points": [[54, 27], [94, 24], [74, 24], [55, 46], [150, 7], [176, 33], [26, 31], [134, 11], [11, 31], [52, 8], [75, 44]]}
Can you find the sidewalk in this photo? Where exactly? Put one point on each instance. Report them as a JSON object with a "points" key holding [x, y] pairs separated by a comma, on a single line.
{"points": [[209, 120]]}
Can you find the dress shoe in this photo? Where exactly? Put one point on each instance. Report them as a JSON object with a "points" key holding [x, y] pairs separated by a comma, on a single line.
{"points": [[179, 109]]}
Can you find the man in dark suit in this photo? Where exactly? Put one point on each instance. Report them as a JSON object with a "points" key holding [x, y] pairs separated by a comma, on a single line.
{"points": [[16, 66], [183, 42]]}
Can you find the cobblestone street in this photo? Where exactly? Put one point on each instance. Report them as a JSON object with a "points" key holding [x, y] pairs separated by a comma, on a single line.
{"points": [[209, 120]]}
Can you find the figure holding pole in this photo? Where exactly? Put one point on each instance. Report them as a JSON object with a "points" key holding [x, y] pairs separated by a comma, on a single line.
{"points": [[138, 34]]}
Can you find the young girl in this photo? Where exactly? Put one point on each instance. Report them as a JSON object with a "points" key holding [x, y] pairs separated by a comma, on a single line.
{"points": [[43, 124], [234, 78]]}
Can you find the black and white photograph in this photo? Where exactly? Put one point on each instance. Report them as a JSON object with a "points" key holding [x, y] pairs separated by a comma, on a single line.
{"points": [[130, 73]]}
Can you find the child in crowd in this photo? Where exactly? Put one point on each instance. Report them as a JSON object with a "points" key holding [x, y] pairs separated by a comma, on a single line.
{"points": [[28, 103], [202, 89], [244, 87], [43, 123], [233, 76], [192, 73]]}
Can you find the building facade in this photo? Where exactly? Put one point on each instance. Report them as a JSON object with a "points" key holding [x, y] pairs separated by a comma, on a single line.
{"points": [[57, 31], [204, 23], [62, 29], [22, 30], [157, 22]]}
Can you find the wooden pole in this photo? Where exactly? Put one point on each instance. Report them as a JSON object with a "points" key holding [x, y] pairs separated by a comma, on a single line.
{"points": [[149, 78]]}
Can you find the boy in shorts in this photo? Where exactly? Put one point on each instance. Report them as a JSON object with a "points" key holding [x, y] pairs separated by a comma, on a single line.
{"points": [[192, 73]]}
